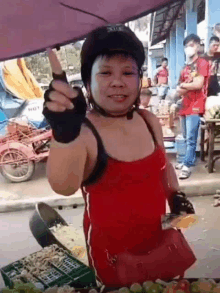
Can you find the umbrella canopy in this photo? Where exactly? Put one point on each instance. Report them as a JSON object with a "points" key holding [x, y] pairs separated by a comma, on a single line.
{"points": [[30, 26]]}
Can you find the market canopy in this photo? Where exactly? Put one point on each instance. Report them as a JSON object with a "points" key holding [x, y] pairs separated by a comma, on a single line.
{"points": [[30, 26], [163, 19]]}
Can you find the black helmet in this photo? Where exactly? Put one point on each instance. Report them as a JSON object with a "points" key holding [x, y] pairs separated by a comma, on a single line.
{"points": [[117, 37]]}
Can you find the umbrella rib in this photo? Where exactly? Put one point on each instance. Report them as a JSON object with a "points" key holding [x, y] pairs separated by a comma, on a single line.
{"points": [[74, 8]]}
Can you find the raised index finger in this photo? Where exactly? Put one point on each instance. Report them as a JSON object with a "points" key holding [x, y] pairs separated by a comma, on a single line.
{"points": [[57, 72], [60, 75], [54, 62]]}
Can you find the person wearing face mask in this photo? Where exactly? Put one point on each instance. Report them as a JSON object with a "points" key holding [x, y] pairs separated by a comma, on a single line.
{"points": [[213, 88], [192, 88]]}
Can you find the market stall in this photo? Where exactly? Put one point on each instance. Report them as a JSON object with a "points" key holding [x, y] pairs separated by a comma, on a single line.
{"points": [[166, 112], [210, 131], [62, 265]]}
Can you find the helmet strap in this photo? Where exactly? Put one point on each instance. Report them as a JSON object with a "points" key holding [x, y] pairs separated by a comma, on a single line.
{"points": [[101, 111]]}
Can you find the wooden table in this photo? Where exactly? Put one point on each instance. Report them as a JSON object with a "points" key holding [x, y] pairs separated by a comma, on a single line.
{"points": [[213, 128]]}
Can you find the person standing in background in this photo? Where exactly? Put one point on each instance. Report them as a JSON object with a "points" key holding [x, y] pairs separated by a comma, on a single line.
{"points": [[213, 87], [148, 90], [145, 97], [193, 84], [216, 32], [161, 79], [149, 82], [146, 81]]}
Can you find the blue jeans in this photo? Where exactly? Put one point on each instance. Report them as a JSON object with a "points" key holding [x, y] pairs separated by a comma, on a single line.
{"points": [[190, 128], [162, 92]]}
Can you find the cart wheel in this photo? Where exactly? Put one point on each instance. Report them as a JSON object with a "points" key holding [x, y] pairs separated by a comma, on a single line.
{"points": [[15, 166]]}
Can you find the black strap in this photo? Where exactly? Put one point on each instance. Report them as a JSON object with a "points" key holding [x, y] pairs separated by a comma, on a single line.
{"points": [[102, 156], [100, 110], [149, 128]]}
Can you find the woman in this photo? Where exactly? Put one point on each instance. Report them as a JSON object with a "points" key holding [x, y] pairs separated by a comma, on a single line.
{"points": [[114, 151]]}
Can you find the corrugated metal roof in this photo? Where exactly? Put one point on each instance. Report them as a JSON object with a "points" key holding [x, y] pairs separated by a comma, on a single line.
{"points": [[163, 19]]}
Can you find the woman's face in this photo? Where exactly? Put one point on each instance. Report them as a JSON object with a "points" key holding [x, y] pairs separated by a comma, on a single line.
{"points": [[114, 83]]}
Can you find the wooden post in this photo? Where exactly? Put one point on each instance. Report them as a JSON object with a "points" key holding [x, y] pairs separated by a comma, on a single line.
{"points": [[211, 129], [202, 152]]}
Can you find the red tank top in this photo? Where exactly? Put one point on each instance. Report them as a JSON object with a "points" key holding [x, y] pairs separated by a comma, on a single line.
{"points": [[123, 210], [162, 76]]}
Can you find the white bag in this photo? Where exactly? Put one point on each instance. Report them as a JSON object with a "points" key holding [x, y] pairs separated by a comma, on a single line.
{"points": [[33, 110], [212, 105]]}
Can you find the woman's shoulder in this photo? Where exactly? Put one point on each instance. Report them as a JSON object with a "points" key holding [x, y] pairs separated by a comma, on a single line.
{"points": [[148, 116], [154, 123], [90, 130], [87, 130]]}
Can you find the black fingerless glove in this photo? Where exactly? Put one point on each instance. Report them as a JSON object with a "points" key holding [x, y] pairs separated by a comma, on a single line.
{"points": [[179, 203], [66, 125]]}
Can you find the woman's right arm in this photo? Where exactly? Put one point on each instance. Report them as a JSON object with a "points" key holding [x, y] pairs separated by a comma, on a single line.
{"points": [[65, 166], [65, 110]]}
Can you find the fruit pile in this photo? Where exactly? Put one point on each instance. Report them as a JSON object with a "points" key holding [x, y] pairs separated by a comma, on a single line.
{"points": [[22, 288], [183, 286]]}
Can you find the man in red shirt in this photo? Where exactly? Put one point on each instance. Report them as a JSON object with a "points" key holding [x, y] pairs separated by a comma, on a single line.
{"points": [[193, 85], [161, 79], [214, 61]]}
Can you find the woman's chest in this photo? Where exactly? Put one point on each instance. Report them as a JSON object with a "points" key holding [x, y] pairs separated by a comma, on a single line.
{"points": [[127, 144]]}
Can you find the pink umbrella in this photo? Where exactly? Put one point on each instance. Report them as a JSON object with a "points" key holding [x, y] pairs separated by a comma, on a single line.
{"points": [[30, 26]]}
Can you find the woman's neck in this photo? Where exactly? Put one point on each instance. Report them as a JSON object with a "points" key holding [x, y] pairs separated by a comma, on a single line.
{"points": [[111, 120]]}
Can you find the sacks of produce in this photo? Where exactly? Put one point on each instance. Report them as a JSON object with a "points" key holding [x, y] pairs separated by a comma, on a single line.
{"points": [[73, 240], [48, 267], [212, 107]]}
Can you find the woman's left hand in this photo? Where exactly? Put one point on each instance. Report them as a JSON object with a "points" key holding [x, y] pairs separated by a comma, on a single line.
{"points": [[180, 204]]}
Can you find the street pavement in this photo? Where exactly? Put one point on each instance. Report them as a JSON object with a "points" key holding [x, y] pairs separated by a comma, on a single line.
{"points": [[204, 237], [24, 195], [200, 182]]}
